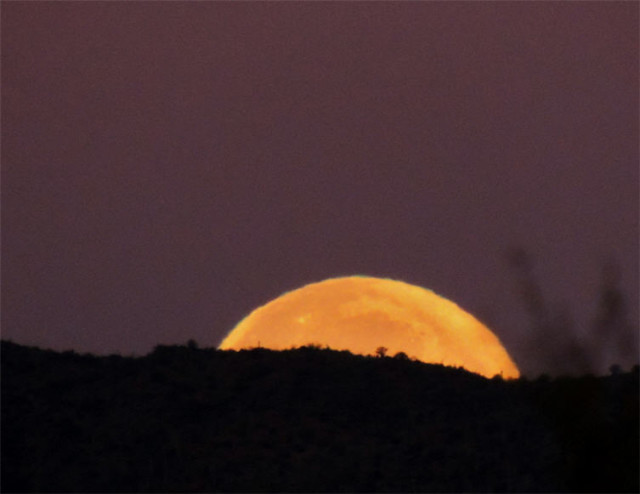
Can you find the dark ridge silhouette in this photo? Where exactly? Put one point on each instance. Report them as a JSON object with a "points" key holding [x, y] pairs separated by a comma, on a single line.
{"points": [[185, 419]]}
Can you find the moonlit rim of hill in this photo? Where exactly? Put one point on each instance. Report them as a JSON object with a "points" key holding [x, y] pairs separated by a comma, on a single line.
{"points": [[361, 314]]}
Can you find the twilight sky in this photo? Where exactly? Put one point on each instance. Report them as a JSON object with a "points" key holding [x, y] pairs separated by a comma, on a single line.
{"points": [[169, 166]]}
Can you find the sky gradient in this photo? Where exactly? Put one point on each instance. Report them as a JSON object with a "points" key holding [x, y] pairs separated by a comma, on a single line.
{"points": [[168, 167]]}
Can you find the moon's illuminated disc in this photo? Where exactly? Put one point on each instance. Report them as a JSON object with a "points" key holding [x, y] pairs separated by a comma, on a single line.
{"points": [[361, 314]]}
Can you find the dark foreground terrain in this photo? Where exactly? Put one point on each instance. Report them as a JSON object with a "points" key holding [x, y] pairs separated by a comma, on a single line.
{"points": [[189, 419]]}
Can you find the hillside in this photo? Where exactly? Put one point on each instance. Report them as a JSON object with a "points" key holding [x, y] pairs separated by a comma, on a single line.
{"points": [[189, 419]]}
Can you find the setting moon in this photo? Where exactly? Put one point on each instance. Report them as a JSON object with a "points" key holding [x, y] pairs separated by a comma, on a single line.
{"points": [[361, 314]]}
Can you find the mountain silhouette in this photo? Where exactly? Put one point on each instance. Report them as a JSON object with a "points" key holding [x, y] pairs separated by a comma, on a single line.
{"points": [[184, 419]]}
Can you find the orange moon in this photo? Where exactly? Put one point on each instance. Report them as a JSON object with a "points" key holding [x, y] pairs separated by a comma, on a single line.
{"points": [[361, 314]]}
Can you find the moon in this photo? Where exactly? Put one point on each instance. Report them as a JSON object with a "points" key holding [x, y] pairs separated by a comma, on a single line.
{"points": [[361, 314]]}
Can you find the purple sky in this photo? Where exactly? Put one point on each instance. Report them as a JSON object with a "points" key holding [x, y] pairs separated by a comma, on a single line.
{"points": [[167, 167]]}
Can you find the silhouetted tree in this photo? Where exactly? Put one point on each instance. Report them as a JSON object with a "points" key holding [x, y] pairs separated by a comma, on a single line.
{"points": [[552, 331], [615, 337]]}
